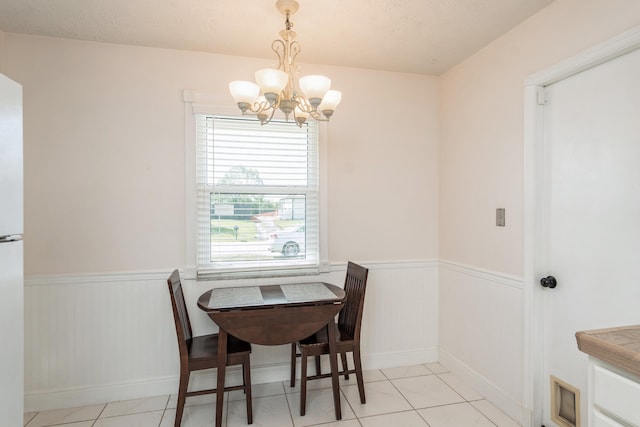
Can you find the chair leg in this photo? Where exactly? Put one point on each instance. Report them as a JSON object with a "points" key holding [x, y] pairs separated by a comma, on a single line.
{"points": [[244, 378], [358, 367], [246, 375], [303, 382], [345, 365], [293, 364], [318, 365], [182, 396]]}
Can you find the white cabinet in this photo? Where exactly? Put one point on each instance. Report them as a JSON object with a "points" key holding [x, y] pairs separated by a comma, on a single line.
{"points": [[601, 420], [614, 396]]}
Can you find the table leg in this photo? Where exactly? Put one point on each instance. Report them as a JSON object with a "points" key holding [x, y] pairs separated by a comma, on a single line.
{"points": [[333, 360], [222, 365]]}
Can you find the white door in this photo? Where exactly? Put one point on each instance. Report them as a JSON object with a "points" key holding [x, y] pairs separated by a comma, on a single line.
{"points": [[592, 242]]}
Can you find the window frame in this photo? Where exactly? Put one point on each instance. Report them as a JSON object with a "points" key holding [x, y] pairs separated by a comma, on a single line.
{"points": [[204, 103]]}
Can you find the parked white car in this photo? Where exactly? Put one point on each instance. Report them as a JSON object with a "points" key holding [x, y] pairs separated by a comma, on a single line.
{"points": [[288, 242]]}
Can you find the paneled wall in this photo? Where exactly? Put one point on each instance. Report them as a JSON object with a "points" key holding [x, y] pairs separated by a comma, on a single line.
{"points": [[481, 333], [100, 338]]}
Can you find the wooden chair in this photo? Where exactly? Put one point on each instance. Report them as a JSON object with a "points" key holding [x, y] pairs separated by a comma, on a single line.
{"points": [[347, 334], [201, 352]]}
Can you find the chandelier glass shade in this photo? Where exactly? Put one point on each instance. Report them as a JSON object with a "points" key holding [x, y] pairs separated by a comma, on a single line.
{"points": [[281, 89]]}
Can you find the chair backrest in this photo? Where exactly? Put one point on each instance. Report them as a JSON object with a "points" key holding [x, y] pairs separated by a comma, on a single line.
{"points": [[355, 285], [180, 313]]}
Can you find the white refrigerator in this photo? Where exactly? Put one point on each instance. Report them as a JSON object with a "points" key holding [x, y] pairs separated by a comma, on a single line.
{"points": [[11, 255]]}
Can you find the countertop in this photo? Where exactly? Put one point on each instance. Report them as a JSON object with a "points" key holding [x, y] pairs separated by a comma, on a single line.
{"points": [[618, 346]]}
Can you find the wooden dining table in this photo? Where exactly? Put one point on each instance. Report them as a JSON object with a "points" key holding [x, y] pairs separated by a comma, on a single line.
{"points": [[273, 315]]}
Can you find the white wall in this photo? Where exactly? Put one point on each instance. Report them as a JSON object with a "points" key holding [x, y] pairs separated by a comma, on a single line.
{"points": [[481, 164], [482, 126], [105, 155], [105, 216]]}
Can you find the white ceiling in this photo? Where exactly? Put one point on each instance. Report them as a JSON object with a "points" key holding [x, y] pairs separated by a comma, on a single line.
{"points": [[415, 36]]}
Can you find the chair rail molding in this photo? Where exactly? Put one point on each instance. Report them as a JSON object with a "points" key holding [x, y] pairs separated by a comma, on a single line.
{"points": [[481, 273]]}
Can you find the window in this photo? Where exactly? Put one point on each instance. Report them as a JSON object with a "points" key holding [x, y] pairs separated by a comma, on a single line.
{"points": [[257, 196]]}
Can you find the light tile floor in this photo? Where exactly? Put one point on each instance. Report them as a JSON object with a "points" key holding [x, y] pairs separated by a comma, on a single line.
{"points": [[410, 396]]}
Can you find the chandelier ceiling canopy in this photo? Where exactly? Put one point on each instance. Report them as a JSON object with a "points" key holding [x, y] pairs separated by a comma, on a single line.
{"points": [[280, 89]]}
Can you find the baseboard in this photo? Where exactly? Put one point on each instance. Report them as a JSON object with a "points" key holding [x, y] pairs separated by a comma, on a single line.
{"points": [[394, 359], [487, 389], [84, 396], [56, 399]]}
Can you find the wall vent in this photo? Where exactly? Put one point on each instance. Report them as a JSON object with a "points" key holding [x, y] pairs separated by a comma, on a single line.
{"points": [[565, 403]]}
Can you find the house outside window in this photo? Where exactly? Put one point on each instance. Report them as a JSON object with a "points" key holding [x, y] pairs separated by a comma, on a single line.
{"points": [[257, 196]]}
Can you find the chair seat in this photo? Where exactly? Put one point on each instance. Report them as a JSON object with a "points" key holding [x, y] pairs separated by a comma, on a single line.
{"points": [[319, 342], [203, 350]]}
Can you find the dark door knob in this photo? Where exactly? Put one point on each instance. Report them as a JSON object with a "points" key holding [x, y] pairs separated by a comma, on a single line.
{"points": [[548, 282]]}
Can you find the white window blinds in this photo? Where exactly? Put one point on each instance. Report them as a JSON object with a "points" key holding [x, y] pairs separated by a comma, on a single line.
{"points": [[257, 196]]}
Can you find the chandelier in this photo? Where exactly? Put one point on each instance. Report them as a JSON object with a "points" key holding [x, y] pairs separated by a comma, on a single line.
{"points": [[280, 89]]}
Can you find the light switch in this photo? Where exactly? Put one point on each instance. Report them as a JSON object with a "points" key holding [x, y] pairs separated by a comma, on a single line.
{"points": [[500, 217]]}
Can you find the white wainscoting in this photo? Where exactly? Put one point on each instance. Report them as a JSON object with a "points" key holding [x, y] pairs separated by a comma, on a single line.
{"points": [[481, 332], [100, 338]]}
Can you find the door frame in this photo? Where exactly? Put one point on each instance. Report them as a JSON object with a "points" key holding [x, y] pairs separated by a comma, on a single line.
{"points": [[536, 185]]}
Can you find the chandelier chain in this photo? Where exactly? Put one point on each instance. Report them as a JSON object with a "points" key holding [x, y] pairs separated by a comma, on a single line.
{"points": [[287, 22]]}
